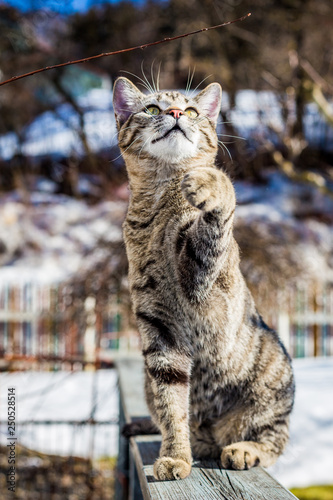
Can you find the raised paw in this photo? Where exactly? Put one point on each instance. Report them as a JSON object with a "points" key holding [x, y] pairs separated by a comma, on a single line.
{"points": [[202, 188], [239, 456], [166, 468]]}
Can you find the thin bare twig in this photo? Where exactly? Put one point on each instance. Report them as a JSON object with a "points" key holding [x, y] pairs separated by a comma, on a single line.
{"points": [[315, 76], [105, 54]]}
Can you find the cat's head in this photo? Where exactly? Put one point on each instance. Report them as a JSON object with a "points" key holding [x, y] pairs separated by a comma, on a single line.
{"points": [[166, 125]]}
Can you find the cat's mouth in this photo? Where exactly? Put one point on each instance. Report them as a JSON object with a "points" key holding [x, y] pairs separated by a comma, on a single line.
{"points": [[175, 129]]}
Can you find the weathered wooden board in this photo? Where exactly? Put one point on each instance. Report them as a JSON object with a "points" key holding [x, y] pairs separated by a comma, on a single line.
{"points": [[207, 481], [131, 387]]}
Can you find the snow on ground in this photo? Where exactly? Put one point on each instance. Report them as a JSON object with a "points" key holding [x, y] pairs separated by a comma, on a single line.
{"points": [[54, 237], [308, 458], [58, 132], [296, 214], [68, 396], [64, 396]]}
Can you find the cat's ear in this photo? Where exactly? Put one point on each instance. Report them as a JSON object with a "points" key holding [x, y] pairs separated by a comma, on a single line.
{"points": [[127, 99], [209, 101]]}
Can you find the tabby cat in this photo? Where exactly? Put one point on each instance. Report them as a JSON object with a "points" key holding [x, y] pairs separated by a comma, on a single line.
{"points": [[218, 381]]}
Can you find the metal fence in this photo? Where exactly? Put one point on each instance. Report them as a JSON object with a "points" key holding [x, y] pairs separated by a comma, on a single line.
{"points": [[56, 456], [90, 439]]}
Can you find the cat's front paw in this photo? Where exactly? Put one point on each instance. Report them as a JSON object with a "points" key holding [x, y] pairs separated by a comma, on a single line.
{"points": [[202, 188], [239, 456], [166, 468]]}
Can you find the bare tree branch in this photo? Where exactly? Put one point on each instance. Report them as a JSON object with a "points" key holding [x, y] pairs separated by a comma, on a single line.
{"points": [[105, 54], [315, 76]]}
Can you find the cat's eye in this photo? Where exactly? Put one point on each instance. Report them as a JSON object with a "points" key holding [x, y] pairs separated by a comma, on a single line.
{"points": [[153, 110], [191, 112]]}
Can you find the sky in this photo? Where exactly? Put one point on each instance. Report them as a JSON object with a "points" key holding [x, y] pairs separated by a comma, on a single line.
{"points": [[63, 6]]}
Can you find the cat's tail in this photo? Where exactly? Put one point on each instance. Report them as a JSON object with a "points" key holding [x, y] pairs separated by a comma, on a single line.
{"points": [[139, 427]]}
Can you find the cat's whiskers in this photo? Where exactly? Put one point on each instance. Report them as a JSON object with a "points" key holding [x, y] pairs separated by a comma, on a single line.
{"points": [[150, 138], [146, 80], [189, 80], [158, 77], [199, 120], [121, 154], [193, 91], [143, 83], [123, 130], [150, 115], [147, 141], [233, 136], [152, 76], [224, 148]]}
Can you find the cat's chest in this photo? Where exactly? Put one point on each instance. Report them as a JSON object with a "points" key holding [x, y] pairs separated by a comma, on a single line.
{"points": [[145, 239], [151, 265], [148, 225]]}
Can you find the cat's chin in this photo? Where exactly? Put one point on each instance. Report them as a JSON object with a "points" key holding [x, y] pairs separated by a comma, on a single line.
{"points": [[173, 151], [173, 158]]}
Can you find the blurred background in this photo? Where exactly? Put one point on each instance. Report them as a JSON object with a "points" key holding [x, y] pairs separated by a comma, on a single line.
{"points": [[65, 313]]}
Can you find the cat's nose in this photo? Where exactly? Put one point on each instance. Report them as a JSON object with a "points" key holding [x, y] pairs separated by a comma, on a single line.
{"points": [[175, 112]]}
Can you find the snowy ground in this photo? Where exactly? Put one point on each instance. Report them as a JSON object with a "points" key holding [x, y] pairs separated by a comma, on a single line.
{"points": [[55, 237], [308, 458], [64, 396], [58, 133], [68, 396]]}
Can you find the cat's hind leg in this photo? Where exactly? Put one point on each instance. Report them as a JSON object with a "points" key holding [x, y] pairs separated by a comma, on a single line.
{"points": [[246, 454], [264, 449], [246, 443]]}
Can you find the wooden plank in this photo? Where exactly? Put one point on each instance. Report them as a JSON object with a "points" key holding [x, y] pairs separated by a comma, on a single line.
{"points": [[207, 481], [131, 405], [131, 387], [122, 470], [135, 489]]}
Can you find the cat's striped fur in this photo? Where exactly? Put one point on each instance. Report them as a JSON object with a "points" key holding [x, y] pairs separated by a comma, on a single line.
{"points": [[219, 382]]}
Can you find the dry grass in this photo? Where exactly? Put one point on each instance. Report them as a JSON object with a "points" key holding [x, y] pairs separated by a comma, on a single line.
{"points": [[314, 493], [49, 477]]}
